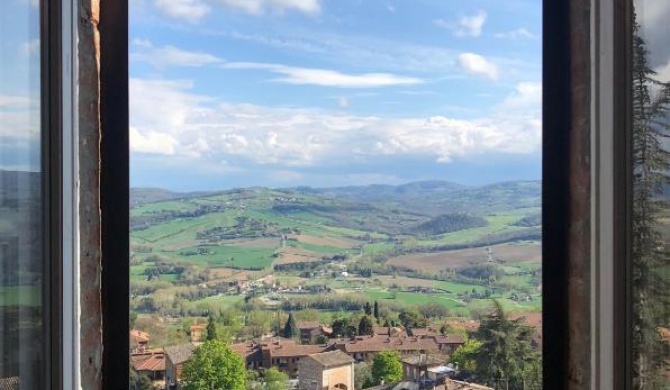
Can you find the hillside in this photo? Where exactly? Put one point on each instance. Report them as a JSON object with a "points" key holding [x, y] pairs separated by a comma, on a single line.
{"points": [[392, 241]]}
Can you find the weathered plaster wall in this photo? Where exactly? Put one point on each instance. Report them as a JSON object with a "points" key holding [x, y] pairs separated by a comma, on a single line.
{"points": [[89, 194]]}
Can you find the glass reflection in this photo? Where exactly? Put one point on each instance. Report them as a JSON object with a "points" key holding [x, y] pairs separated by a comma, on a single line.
{"points": [[21, 258]]}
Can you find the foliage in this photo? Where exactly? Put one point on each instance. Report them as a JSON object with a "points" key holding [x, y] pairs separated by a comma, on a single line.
{"points": [[362, 376], [529, 221], [449, 223], [139, 381], [214, 366], [367, 308], [291, 328], [482, 271], [433, 310], [275, 380], [376, 310], [466, 355], [365, 326], [651, 163], [211, 328], [506, 355], [411, 319], [386, 366]]}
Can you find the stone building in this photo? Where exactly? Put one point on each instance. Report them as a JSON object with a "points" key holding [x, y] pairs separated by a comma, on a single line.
{"points": [[326, 371]]}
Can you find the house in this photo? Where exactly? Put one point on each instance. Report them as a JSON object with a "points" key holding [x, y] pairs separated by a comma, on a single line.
{"points": [[387, 331], [326, 371], [197, 332], [175, 357], [285, 354], [311, 330], [11, 383], [138, 341], [363, 348], [448, 343], [416, 367], [151, 364]]}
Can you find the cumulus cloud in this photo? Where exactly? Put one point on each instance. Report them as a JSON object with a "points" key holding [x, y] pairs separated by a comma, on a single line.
{"points": [[211, 130], [325, 77], [477, 65], [191, 11], [517, 35], [260, 6], [166, 56], [663, 73], [466, 26]]}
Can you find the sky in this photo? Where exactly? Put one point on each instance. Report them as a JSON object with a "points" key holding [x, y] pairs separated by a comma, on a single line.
{"points": [[236, 93], [280, 93]]}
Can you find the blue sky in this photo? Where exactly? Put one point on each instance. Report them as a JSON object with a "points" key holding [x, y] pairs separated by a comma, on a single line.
{"points": [[229, 93]]}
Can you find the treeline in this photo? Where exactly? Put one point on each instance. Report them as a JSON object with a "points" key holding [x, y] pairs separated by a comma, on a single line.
{"points": [[448, 223], [529, 221]]}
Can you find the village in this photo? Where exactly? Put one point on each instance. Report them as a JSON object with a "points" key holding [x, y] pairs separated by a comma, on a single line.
{"points": [[311, 364]]}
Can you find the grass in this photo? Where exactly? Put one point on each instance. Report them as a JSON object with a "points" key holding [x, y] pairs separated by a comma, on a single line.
{"points": [[228, 257], [20, 295]]}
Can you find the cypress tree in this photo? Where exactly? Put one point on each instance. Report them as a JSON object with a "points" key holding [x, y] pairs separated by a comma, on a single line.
{"points": [[651, 163], [376, 310], [291, 328], [211, 329]]}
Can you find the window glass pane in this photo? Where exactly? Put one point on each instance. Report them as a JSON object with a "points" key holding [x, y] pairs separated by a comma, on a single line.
{"points": [[651, 222], [321, 175], [21, 258]]}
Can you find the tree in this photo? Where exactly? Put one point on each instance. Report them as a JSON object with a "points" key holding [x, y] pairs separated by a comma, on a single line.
{"points": [[649, 255], [275, 380], [211, 328], [386, 367], [376, 310], [506, 355], [253, 380], [466, 355], [339, 327], [291, 328], [365, 326], [214, 366], [367, 308], [362, 376], [139, 381]]}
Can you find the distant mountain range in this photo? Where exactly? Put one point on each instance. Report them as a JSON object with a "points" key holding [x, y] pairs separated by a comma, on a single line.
{"points": [[422, 197]]}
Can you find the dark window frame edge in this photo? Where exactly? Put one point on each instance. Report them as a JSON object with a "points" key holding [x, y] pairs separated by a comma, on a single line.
{"points": [[51, 188], [114, 192]]}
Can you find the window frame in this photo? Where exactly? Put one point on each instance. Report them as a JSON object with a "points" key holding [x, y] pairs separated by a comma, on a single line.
{"points": [[115, 192], [573, 335]]}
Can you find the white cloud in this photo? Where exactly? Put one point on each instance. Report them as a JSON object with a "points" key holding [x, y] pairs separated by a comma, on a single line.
{"points": [[191, 11], [206, 130], [477, 65], [32, 47], [152, 142], [166, 56], [663, 73], [527, 96], [467, 26], [325, 77], [260, 6], [518, 34], [343, 102]]}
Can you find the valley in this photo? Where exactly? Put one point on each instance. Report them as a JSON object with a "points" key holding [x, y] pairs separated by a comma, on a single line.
{"points": [[327, 252]]}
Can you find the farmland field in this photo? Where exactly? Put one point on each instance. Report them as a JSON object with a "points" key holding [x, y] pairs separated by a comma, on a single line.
{"points": [[334, 249]]}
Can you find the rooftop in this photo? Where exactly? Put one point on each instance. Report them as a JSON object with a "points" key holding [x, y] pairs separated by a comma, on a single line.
{"points": [[332, 359], [381, 343], [425, 360], [149, 361], [179, 353]]}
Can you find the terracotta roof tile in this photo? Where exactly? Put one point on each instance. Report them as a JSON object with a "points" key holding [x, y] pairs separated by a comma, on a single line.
{"points": [[148, 361], [331, 359], [179, 353]]}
